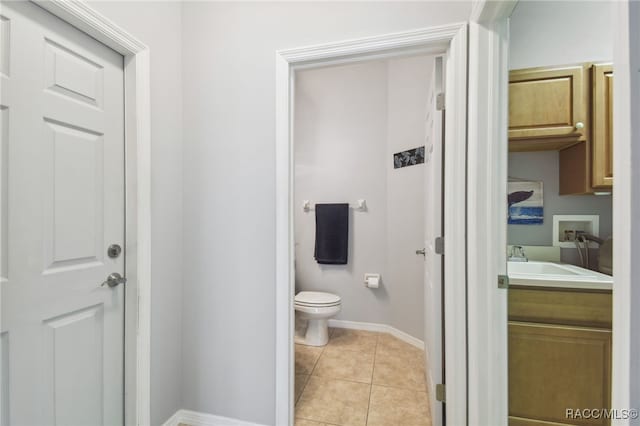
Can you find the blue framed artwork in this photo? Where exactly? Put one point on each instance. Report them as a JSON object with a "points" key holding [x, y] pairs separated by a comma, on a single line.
{"points": [[525, 203]]}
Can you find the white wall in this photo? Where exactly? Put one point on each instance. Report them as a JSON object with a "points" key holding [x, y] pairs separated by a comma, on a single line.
{"points": [[158, 24], [557, 33], [229, 182]]}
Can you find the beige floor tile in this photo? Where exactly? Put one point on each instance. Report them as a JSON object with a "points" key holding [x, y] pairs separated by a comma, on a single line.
{"points": [[305, 422], [392, 406], [337, 363], [353, 340], [389, 344], [306, 358], [301, 381], [398, 370], [334, 401]]}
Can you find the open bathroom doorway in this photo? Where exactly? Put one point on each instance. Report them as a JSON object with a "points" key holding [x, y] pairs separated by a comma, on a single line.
{"points": [[368, 151], [449, 45], [561, 211]]}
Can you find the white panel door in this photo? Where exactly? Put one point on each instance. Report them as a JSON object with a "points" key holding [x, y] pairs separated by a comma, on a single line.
{"points": [[62, 180], [434, 206]]}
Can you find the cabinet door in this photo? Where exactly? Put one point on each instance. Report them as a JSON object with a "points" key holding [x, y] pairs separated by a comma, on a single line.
{"points": [[553, 368], [602, 126], [548, 108]]}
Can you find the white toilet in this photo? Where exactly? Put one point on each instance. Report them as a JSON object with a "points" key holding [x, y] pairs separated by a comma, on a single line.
{"points": [[316, 307]]}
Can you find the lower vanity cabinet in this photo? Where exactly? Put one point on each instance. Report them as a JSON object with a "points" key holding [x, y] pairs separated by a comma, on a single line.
{"points": [[559, 357]]}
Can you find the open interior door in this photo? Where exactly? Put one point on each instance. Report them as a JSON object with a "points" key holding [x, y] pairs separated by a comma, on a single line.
{"points": [[434, 256]]}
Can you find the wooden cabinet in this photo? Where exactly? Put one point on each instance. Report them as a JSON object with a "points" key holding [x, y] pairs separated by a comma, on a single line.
{"points": [[568, 109], [559, 357], [602, 104], [586, 168], [548, 108], [561, 306]]}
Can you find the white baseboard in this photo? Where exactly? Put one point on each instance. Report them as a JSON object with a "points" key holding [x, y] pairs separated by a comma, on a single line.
{"points": [[381, 328], [194, 418], [173, 420]]}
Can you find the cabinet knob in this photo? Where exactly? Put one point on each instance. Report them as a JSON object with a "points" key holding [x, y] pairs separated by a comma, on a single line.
{"points": [[579, 125]]}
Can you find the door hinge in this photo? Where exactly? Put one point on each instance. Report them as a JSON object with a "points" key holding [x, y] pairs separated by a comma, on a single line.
{"points": [[439, 245], [440, 102], [441, 392], [503, 281]]}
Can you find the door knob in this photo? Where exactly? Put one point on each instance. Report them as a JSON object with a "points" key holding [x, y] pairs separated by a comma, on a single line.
{"points": [[113, 280], [579, 125], [421, 251], [114, 251]]}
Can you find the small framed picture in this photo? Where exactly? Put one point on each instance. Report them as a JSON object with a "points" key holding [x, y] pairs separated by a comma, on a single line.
{"points": [[525, 203], [411, 157]]}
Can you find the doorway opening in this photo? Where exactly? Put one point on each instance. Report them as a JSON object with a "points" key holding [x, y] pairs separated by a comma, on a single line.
{"points": [[560, 212], [450, 44], [368, 140]]}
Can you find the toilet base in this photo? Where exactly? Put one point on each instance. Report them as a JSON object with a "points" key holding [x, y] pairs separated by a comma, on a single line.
{"points": [[317, 319], [317, 333]]}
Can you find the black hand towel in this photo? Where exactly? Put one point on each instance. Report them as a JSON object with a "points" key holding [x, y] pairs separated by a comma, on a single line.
{"points": [[332, 234]]}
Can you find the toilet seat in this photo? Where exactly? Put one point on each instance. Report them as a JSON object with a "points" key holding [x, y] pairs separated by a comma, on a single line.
{"points": [[316, 299]]}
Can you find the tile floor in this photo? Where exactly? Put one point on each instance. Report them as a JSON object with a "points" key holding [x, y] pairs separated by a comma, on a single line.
{"points": [[360, 378]]}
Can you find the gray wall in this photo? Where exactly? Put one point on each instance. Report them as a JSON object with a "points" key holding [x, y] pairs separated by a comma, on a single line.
{"points": [[560, 32], [349, 121], [557, 33], [543, 166], [340, 136], [408, 92], [158, 24], [229, 182]]}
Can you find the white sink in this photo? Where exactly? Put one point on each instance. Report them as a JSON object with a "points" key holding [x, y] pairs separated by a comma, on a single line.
{"points": [[548, 274]]}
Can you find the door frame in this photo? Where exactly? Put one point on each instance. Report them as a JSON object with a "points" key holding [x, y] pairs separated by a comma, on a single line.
{"points": [[625, 376], [487, 214], [434, 40], [488, 111], [137, 356]]}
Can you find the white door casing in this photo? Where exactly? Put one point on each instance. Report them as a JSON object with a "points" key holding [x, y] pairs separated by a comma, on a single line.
{"points": [[433, 229], [487, 216], [452, 40], [63, 120], [138, 196], [626, 209], [454, 229]]}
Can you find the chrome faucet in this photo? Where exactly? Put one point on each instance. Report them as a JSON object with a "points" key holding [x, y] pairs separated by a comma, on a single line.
{"points": [[517, 254]]}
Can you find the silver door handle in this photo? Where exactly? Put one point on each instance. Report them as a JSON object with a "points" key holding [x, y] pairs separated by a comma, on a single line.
{"points": [[421, 251], [113, 280]]}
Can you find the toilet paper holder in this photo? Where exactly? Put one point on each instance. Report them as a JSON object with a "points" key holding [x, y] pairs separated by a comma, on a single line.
{"points": [[372, 280]]}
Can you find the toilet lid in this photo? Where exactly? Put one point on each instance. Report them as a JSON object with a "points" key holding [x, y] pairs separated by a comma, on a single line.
{"points": [[316, 298]]}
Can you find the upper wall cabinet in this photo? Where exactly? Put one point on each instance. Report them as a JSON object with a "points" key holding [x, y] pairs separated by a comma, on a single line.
{"points": [[548, 108], [602, 77], [568, 109]]}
